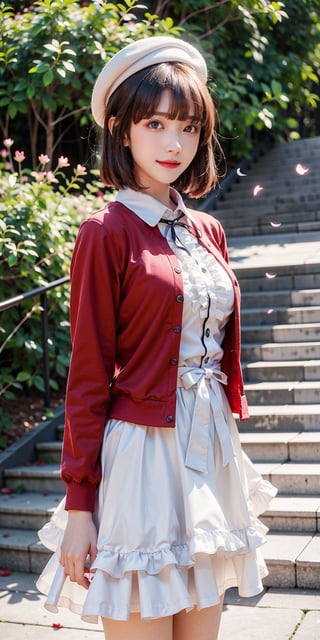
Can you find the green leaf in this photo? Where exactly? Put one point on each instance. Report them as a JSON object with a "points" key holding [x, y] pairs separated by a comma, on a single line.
{"points": [[23, 376], [12, 110], [38, 383], [48, 78], [12, 259]]}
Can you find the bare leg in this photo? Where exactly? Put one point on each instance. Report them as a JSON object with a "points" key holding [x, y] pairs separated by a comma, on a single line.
{"points": [[198, 625], [137, 629]]}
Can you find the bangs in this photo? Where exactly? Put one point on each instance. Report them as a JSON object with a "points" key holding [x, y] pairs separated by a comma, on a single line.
{"points": [[186, 94]]}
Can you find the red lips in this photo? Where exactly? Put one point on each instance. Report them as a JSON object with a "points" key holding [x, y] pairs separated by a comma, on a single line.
{"points": [[168, 164]]}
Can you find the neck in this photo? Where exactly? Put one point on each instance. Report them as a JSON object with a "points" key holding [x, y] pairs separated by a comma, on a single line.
{"points": [[166, 198]]}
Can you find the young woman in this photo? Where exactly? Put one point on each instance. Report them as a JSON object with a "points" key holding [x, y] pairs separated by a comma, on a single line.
{"points": [[161, 502]]}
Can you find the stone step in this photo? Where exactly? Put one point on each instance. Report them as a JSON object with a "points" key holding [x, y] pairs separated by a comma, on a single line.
{"points": [[300, 478], [244, 186], [288, 206], [44, 477], [269, 280], [281, 446], [280, 352], [285, 298], [298, 370], [50, 452], [265, 226], [21, 550], [267, 200], [29, 510], [293, 513], [293, 560], [281, 315], [283, 392], [307, 332], [286, 174], [282, 418]]}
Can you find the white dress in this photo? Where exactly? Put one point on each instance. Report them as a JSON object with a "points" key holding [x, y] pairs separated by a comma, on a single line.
{"points": [[177, 508]]}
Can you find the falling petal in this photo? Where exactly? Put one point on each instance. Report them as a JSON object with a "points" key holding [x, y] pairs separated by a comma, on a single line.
{"points": [[57, 625], [5, 572], [239, 172], [270, 275], [300, 170], [257, 189], [270, 311], [6, 491], [249, 77], [276, 224]]}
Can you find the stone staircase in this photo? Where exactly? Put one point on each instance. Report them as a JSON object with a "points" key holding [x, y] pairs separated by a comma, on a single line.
{"points": [[279, 273], [274, 240]]}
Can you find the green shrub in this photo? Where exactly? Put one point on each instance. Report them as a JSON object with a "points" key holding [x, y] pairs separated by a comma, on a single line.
{"points": [[40, 213]]}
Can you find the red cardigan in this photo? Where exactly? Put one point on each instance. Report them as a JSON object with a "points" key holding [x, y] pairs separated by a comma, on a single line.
{"points": [[126, 318]]}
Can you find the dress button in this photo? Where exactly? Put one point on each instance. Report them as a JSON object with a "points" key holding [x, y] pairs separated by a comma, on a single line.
{"points": [[169, 418], [207, 333], [178, 269], [204, 270], [177, 329], [179, 297], [173, 361]]}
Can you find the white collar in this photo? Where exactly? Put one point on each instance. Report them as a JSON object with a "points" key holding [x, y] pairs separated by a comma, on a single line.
{"points": [[149, 209]]}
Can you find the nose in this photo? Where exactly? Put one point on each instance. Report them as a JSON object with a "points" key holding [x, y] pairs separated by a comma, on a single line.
{"points": [[174, 144]]}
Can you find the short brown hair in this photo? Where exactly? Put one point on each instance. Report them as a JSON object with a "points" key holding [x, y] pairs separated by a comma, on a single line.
{"points": [[137, 98]]}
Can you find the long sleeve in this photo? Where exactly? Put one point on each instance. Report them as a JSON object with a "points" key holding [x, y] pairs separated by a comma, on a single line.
{"points": [[94, 299]]}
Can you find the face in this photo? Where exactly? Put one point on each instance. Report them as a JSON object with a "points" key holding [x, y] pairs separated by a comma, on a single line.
{"points": [[162, 148]]}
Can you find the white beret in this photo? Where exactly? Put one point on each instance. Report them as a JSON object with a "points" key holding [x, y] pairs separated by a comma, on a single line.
{"points": [[139, 55]]}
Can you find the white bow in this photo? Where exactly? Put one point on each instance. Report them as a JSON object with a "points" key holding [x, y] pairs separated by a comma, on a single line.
{"points": [[208, 403]]}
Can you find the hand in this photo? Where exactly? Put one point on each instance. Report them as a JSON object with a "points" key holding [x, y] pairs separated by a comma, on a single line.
{"points": [[79, 542]]}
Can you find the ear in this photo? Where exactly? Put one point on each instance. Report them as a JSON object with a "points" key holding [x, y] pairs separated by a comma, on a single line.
{"points": [[126, 141], [111, 122]]}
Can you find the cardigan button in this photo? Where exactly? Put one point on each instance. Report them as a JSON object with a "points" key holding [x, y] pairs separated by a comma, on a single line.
{"points": [[179, 297], [173, 361], [177, 329], [169, 418], [178, 269]]}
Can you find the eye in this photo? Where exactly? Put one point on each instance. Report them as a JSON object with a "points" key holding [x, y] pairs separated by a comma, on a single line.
{"points": [[154, 124], [191, 128]]}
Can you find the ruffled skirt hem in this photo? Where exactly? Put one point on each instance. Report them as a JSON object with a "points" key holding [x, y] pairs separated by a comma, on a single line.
{"points": [[173, 589]]}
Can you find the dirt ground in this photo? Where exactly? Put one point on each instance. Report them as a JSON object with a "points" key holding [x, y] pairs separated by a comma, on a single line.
{"points": [[23, 413]]}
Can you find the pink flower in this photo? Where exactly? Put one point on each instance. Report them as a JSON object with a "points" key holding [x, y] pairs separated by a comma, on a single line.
{"points": [[8, 142], [63, 162], [39, 175], [19, 156], [81, 170], [4, 153], [51, 177], [43, 158]]}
